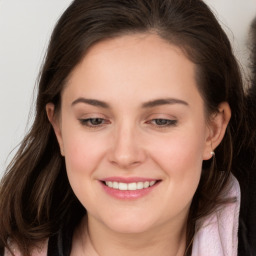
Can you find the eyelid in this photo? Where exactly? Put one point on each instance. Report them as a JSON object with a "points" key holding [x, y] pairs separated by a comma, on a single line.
{"points": [[86, 122], [167, 120], [90, 115], [160, 116]]}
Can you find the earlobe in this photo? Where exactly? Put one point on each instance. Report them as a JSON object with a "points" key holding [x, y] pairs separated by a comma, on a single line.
{"points": [[55, 122], [217, 128]]}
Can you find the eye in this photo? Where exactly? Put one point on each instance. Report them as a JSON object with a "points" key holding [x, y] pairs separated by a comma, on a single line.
{"points": [[159, 122], [93, 122]]}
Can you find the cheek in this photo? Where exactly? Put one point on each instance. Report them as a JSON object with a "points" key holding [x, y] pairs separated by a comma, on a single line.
{"points": [[82, 151], [82, 157], [182, 164], [182, 151], [186, 154], [181, 159], [81, 154]]}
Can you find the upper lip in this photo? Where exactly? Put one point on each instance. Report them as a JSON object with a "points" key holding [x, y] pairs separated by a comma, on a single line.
{"points": [[128, 179]]}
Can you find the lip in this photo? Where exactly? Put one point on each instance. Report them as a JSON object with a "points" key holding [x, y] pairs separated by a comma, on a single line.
{"points": [[128, 194], [128, 179]]}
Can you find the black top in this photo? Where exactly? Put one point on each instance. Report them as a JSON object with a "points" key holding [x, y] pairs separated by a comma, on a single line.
{"points": [[60, 244]]}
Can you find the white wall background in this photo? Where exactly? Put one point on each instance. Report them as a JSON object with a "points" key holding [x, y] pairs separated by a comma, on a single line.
{"points": [[25, 27]]}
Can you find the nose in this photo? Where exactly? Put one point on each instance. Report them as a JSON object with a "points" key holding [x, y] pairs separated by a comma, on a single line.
{"points": [[127, 149]]}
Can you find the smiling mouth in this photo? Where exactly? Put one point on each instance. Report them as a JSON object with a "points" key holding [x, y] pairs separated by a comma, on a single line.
{"points": [[130, 186]]}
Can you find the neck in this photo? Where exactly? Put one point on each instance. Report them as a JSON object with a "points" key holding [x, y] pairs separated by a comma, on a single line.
{"points": [[97, 240]]}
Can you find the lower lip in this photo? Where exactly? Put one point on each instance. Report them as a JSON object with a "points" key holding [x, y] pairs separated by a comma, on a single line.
{"points": [[128, 194]]}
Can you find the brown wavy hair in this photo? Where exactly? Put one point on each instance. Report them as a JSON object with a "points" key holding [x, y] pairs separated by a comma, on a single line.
{"points": [[36, 199]]}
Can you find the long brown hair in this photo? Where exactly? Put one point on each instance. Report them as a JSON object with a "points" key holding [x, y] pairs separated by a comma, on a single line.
{"points": [[35, 196]]}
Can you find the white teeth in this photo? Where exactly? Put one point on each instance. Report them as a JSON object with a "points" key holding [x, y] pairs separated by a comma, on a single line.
{"points": [[151, 183], [132, 186], [122, 186], [115, 185], [146, 184], [129, 186], [140, 185], [109, 184]]}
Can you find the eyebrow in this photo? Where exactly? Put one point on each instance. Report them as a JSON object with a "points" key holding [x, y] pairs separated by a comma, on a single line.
{"points": [[149, 104], [93, 102], [167, 101]]}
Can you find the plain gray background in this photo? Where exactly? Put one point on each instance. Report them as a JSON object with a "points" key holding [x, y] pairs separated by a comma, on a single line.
{"points": [[25, 28]]}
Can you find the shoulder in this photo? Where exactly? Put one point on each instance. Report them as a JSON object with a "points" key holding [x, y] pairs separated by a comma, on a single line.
{"points": [[217, 233]]}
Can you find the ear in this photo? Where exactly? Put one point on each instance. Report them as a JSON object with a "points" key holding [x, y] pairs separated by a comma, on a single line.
{"points": [[216, 129], [55, 121]]}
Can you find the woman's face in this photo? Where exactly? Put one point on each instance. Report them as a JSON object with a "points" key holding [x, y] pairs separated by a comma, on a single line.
{"points": [[133, 132]]}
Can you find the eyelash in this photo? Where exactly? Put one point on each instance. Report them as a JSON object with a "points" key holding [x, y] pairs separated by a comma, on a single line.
{"points": [[158, 122], [164, 123], [89, 122]]}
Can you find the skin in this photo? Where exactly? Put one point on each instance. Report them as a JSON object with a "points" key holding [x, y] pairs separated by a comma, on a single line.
{"points": [[135, 138]]}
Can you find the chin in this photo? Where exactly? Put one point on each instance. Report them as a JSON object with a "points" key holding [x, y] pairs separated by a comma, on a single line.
{"points": [[130, 225]]}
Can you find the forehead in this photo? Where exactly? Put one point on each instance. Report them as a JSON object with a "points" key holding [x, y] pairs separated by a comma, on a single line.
{"points": [[135, 65]]}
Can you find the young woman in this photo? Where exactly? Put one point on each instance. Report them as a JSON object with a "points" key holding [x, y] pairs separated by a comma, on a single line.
{"points": [[130, 152]]}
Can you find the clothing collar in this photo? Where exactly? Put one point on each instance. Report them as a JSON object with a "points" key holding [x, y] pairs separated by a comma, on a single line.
{"points": [[217, 234]]}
